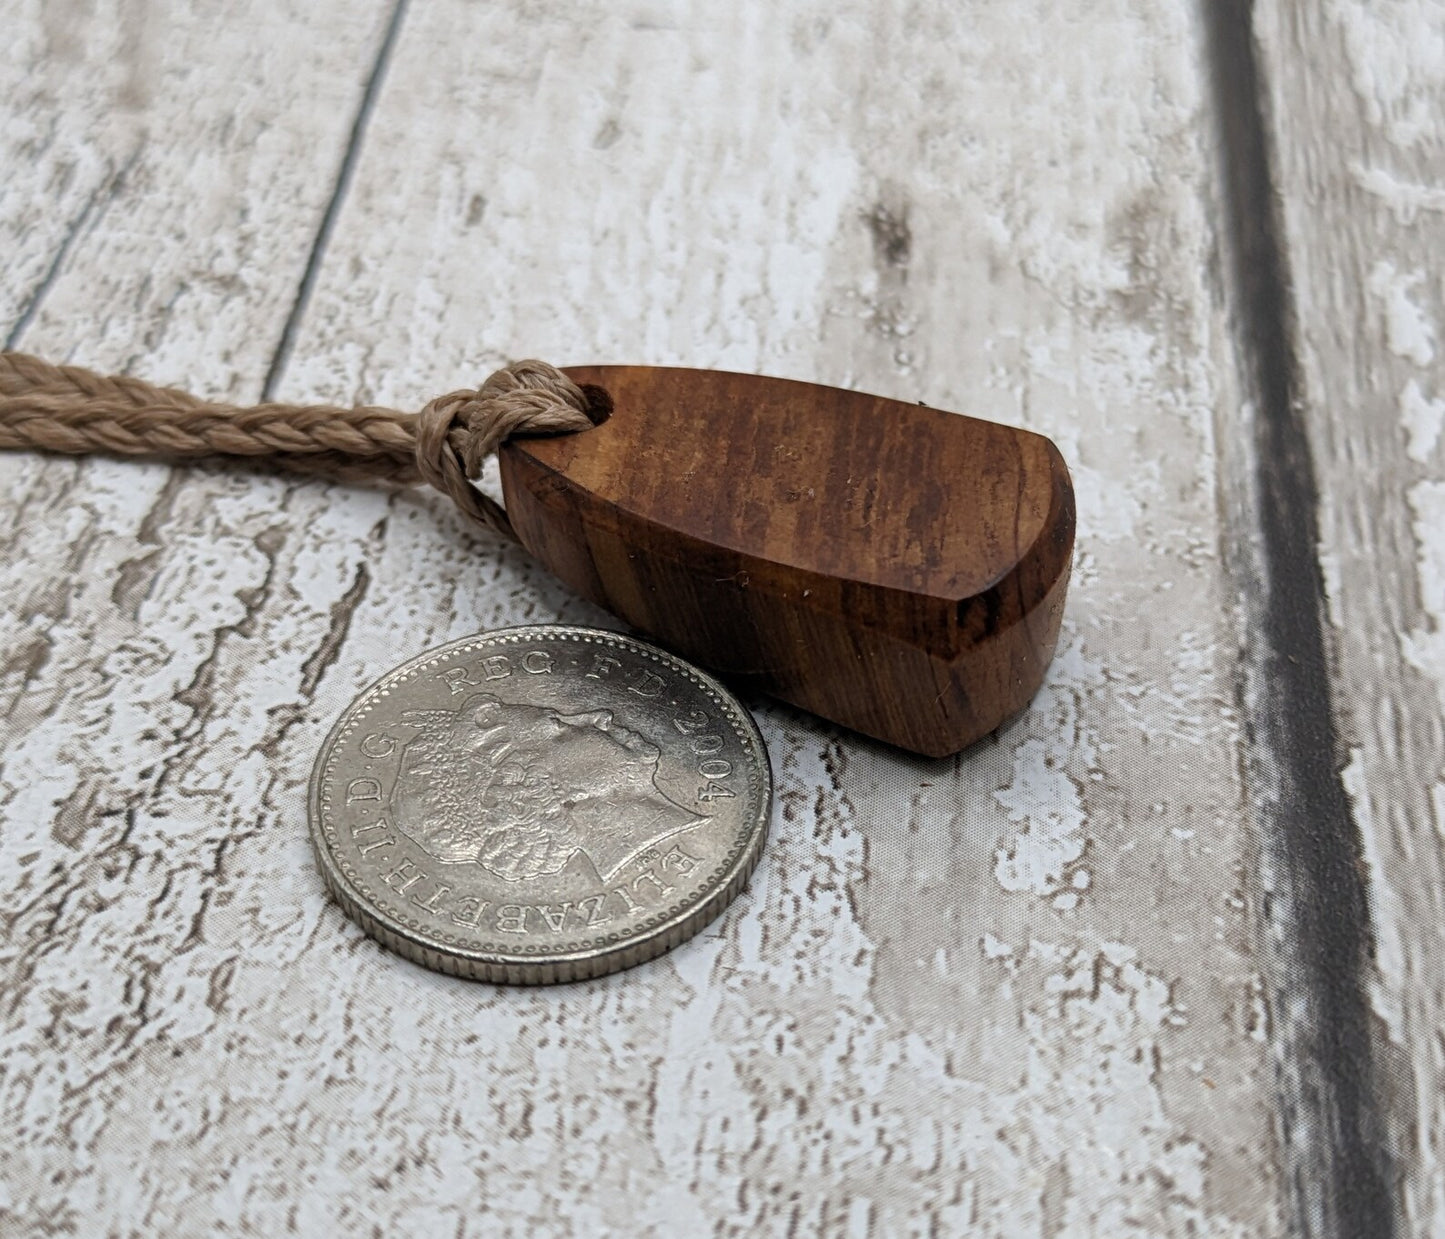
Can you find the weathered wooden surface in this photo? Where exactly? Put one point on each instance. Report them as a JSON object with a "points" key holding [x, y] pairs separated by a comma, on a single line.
{"points": [[1025, 999], [1358, 96]]}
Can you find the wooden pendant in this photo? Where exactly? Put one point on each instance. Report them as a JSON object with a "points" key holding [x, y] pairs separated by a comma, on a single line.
{"points": [[894, 568]]}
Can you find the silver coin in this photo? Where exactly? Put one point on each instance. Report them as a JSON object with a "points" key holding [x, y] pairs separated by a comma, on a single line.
{"points": [[539, 804]]}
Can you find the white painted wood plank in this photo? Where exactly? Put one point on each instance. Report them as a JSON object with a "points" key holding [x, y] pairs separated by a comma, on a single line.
{"points": [[120, 586], [1358, 93], [1013, 992], [58, 68]]}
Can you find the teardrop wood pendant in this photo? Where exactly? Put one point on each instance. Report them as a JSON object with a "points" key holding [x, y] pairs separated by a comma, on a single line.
{"points": [[895, 568]]}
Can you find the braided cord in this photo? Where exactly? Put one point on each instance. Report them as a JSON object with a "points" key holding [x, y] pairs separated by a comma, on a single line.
{"points": [[72, 410]]}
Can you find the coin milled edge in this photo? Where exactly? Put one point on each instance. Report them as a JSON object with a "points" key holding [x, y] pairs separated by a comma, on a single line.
{"points": [[612, 952]]}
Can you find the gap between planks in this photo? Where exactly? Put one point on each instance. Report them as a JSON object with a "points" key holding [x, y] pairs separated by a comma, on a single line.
{"points": [[1315, 931]]}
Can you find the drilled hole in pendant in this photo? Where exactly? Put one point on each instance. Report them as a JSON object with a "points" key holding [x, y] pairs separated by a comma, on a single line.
{"points": [[599, 403]]}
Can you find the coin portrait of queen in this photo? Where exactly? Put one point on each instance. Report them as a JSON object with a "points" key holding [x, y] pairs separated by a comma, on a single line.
{"points": [[522, 789]]}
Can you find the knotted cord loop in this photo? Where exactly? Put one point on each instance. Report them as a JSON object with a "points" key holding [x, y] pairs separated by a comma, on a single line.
{"points": [[76, 411], [456, 433]]}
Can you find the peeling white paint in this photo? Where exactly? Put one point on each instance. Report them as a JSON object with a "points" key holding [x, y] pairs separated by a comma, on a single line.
{"points": [[1409, 330], [1422, 417], [1044, 797], [1385, 909], [1405, 199], [1424, 647], [1396, 52], [1047, 802]]}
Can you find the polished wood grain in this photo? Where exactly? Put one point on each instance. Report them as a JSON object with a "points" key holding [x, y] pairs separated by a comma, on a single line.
{"points": [[897, 569]]}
